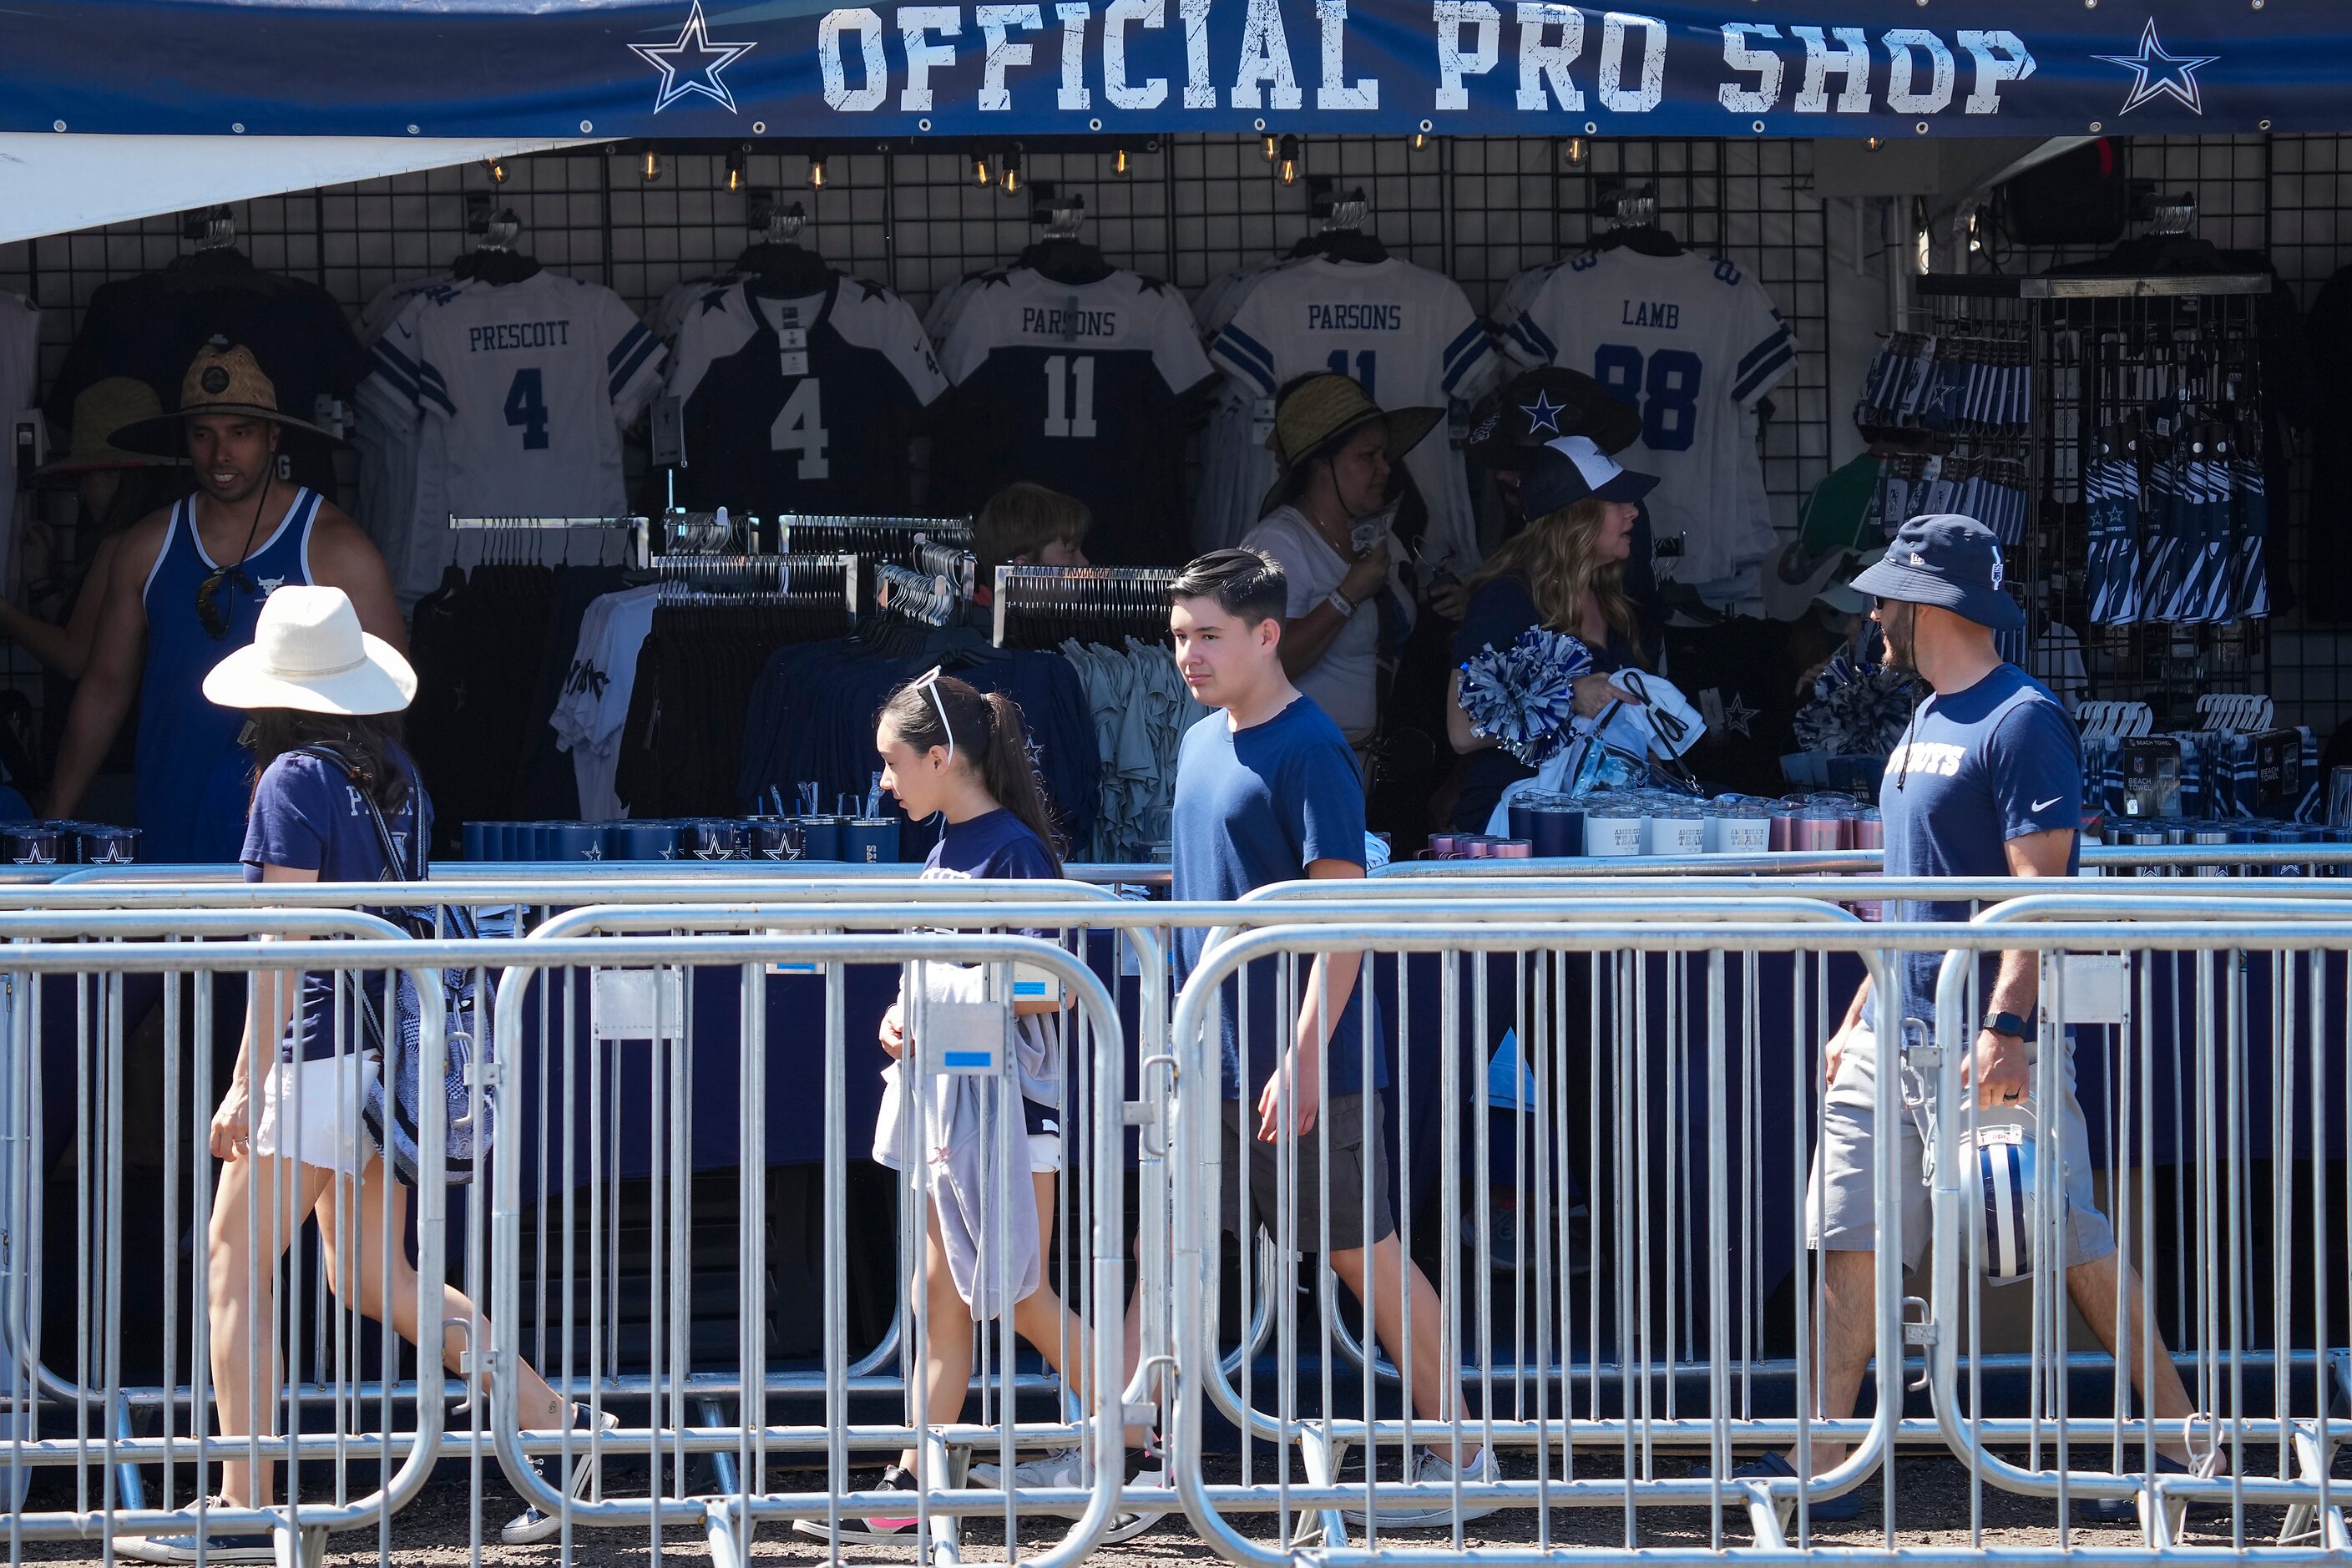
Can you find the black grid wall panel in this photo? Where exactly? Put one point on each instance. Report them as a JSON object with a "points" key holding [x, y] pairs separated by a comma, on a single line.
{"points": [[1190, 207]]}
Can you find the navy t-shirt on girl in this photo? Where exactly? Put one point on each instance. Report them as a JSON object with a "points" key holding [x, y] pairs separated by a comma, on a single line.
{"points": [[307, 815], [997, 846]]}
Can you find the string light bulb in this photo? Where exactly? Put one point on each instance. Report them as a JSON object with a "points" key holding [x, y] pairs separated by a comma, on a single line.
{"points": [[1290, 160], [498, 170], [734, 169], [1011, 181], [980, 174], [1121, 163], [1420, 140], [1269, 148], [816, 170], [1575, 152], [652, 167], [1872, 143]]}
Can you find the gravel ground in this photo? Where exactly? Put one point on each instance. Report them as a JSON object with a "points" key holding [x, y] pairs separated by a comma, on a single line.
{"points": [[1933, 1498]]}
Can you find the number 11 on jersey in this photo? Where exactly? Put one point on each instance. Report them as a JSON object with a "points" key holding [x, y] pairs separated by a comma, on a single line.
{"points": [[1070, 409]]}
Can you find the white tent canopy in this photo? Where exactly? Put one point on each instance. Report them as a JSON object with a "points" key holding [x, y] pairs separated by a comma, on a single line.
{"points": [[55, 183]]}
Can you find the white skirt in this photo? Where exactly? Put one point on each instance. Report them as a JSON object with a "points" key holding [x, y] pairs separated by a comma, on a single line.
{"points": [[320, 1102]]}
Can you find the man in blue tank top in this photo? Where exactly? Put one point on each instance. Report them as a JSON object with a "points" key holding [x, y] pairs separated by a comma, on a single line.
{"points": [[186, 592]]}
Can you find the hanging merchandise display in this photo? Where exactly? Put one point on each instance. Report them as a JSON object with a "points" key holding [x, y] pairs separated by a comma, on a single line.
{"points": [[1694, 343], [1406, 334], [800, 393], [148, 328], [504, 393], [1075, 375]]}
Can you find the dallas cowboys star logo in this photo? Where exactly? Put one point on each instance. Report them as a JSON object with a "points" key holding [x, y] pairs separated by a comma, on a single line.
{"points": [[2176, 80], [692, 64], [1543, 413], [1737, 715]]}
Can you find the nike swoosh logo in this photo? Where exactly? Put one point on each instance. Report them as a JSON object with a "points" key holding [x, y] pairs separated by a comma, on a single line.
{"points": [[2040, 806]]}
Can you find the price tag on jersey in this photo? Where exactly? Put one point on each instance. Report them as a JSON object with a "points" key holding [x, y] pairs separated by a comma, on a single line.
{"points": [[792, 361], [792, 337], [1262, 420]]}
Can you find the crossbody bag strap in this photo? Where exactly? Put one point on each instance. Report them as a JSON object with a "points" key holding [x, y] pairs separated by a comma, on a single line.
{"points": [[396, 872]]}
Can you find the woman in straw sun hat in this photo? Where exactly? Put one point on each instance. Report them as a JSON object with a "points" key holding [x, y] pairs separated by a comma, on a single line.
{"points": [[323, 699], [1327, 519]]}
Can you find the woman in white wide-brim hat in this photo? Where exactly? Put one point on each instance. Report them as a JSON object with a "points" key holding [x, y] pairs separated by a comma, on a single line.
{"points": [[325, 700]]}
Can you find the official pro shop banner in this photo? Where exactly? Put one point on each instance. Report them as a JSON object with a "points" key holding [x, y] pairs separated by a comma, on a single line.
{"points": [[809, 71]]}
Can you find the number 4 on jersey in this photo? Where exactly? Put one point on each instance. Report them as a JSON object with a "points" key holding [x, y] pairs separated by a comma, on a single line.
{"points": [[527, 409], [800, 427]]}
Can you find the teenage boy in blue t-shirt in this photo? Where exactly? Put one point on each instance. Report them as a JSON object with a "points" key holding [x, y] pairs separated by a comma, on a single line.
{"points": [[1266, 791]]}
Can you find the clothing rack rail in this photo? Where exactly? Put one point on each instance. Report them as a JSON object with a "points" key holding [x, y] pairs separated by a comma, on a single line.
{"points": [[639, 529], [813, 582], [1043, 607], [880, 538]]}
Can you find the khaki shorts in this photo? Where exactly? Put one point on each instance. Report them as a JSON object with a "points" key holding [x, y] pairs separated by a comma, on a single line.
{"points": [[1840, 1213], [1353, 1154]]}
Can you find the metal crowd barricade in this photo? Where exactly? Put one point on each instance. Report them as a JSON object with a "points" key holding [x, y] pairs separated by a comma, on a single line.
{"points": [[86, 1407], [1557, 1394], [2215, 1033], [635, 1003]]}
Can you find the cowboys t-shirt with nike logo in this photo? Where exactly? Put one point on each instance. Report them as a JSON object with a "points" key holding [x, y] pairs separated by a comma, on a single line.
{"points": [[1974, 770]]}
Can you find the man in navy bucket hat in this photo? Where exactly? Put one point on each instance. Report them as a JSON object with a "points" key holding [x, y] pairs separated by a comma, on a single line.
{"points": [[1986, 782]]}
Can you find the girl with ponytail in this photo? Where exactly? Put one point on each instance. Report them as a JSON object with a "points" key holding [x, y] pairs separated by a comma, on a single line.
{"points": [[951, 751]]}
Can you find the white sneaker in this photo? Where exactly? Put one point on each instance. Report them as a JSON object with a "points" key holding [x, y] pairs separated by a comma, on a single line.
{"points": [[1432, 1469], [1066, 1467], [1062, 1467]]}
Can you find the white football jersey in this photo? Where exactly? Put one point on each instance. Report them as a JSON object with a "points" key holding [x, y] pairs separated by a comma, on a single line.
{"points": [[1694, 342], [533, 383], [1407, 333]]}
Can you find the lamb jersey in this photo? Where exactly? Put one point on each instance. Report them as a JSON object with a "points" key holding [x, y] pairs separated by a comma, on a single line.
{"points": [[1407, 333], [1072, 386], [800, 404], [1221, 513], [1692, 341], [533, 382]]}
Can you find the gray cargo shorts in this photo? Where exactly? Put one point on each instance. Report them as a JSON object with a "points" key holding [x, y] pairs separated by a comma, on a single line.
{"points": [[1840, 1213], [1355, 1122]]}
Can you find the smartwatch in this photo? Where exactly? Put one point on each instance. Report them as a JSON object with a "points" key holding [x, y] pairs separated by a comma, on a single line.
{"points": [[2008, 1024], [1342, 602]]}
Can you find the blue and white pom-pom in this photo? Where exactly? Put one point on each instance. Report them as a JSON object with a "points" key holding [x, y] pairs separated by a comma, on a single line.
{"points": [[1858, 710], [1525, 695]]}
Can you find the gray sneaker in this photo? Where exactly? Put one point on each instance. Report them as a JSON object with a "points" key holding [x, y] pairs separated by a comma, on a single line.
{"points": [[1066, 1467], [1432, 1469]]}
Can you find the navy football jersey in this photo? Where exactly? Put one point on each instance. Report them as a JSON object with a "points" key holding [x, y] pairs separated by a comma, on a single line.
{"points": [[801, 405], [1072, 387]]}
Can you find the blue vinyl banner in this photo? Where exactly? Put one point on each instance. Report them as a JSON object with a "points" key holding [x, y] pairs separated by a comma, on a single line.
{"points": [[800, 70]]}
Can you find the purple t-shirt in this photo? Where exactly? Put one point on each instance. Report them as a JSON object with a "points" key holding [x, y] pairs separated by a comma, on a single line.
{"points": [[307, 815]]}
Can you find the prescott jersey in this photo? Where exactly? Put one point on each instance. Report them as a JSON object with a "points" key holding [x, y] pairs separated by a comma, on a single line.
{"points": [[533, 383], [1072, 387], [1693, 343], [800, 404], [1407, 333]]}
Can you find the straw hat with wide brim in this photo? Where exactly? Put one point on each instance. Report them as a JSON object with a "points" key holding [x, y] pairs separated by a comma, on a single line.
{"points": [[309, 653], [224, 379], [1318, 412], [99, 410]]}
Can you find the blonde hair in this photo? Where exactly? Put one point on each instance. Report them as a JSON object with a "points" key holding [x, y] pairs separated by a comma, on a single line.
{"points": [[1022, 518], [1556, 555]]}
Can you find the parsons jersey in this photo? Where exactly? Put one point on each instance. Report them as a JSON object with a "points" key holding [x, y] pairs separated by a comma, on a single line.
{"points": [[1071, 385], [1693, 343], [533, 383], [1407, 333], [800, 404]]}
